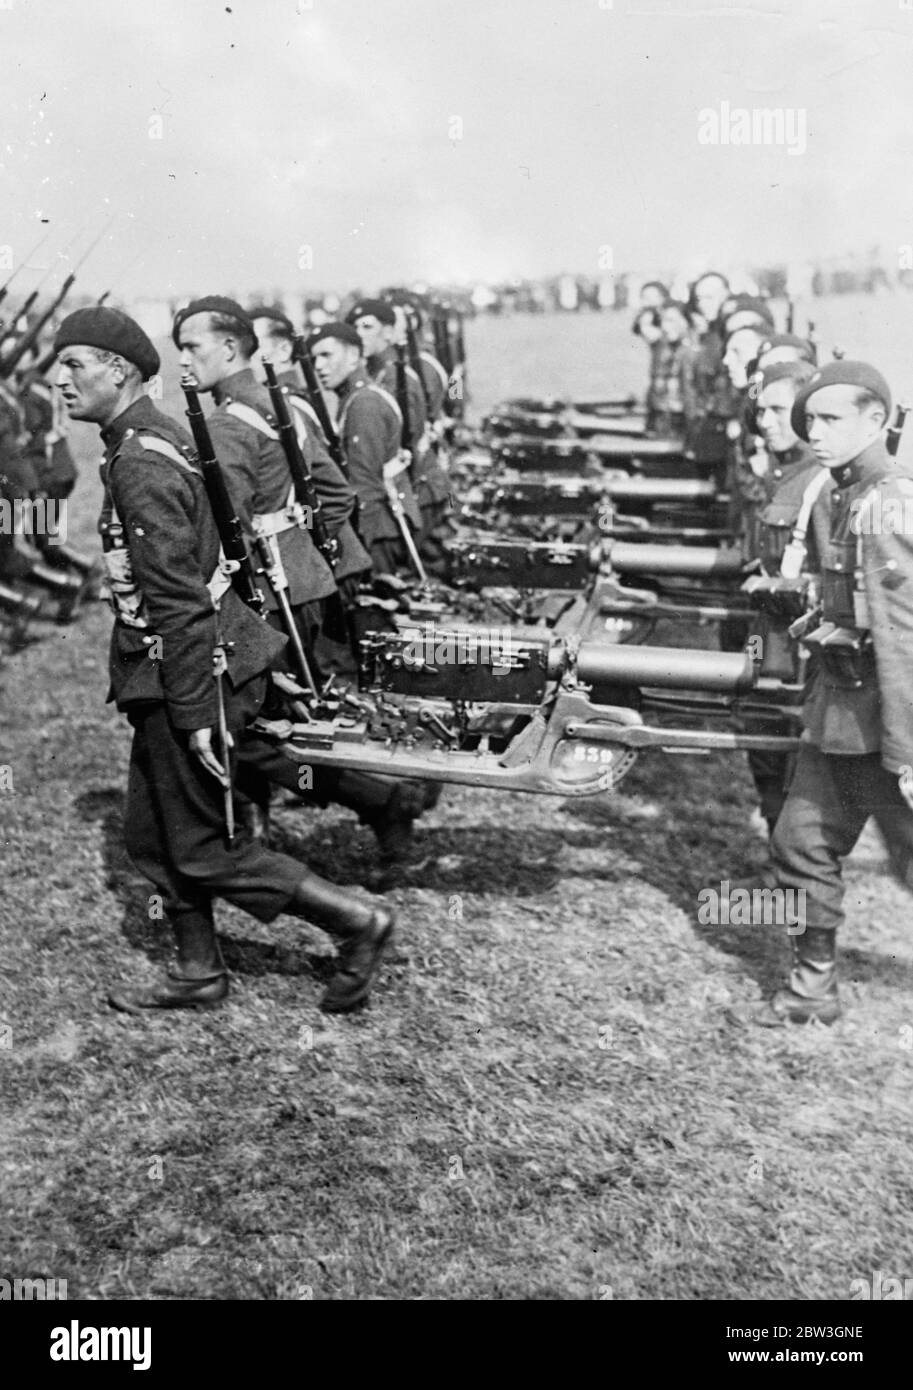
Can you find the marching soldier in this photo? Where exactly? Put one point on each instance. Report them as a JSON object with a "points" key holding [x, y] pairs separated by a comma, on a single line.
{"points": [[429, 478], [375, 321], [162, 551], [370, 427], [856, 756], [217, 344], [276, 334]]}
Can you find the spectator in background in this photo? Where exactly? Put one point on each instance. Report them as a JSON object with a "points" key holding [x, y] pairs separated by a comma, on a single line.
{"points": [[674, 358], [648, 325]]}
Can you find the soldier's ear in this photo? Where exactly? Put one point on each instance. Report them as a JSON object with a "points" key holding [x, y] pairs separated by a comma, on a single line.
{"points": [[120, 370]]}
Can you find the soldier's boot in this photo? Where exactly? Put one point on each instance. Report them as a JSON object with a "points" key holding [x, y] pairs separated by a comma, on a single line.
{"points": [[197, 979], [812, 989], [389, 805], [362, 934]]}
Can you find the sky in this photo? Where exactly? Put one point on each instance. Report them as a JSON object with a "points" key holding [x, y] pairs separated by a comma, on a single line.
{"points": [[310, 144]]}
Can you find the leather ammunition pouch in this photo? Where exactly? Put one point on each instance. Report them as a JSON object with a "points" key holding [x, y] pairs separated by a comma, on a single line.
{"points": [[846, 654]]}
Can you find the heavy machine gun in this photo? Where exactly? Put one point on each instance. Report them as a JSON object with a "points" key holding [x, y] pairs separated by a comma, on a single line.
{"points": [[554, 717]]}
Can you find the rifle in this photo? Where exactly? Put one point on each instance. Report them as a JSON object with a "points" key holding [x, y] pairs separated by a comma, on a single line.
{"points": [[566, 718], [405, 437], [402, 399], [415, 363], [895, 431], [306, 494], [231, 533], [31, 336], [443, 352], [305, 362]]}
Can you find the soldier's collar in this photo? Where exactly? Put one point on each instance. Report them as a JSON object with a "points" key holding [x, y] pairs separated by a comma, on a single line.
{"points": [[134, 416], [870, 462], [231, 385], [357, 378]]}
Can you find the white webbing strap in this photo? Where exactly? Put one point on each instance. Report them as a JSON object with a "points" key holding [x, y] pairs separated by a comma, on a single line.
{"points": [[220, 580], [251, 417]]}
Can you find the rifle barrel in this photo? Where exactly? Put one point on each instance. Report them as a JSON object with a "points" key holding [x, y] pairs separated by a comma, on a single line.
{"points": [[228, 525], [306, 493]]}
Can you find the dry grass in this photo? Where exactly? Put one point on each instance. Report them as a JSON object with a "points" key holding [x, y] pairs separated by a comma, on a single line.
{"points": [[551, 1095]]}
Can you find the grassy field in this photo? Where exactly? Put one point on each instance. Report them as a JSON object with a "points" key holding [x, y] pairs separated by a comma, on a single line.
{"points": [[554, 1093]]}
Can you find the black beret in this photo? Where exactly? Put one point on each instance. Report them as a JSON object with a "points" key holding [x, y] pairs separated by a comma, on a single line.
{"points": [[377, 308], [799, 372], [342, 332], [212, 304], [111, 331], [790, 340], [407, 299], [266, 311], [844, 373]]}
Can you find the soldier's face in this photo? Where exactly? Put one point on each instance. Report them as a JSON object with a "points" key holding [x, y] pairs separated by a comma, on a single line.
{"points": [[334, 362], [838, 430], [741, 349], [373, 334], [208, 356], [652, 297], [709, 295], [88, 386], [774, 406]]}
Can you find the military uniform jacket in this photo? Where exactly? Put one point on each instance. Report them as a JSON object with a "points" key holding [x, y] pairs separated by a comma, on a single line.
{"points": [[337, 497], [435, 383], [173, 546], [259, 483], [871, 522], [428, 477], [786, 481], [369, 426]]}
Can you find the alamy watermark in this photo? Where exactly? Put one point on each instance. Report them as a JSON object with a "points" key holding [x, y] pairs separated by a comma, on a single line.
{"points": [[883, 1287], [43, 516], [488, 647], [752, 907], [875, 515], [756, 125], [26, 1290]]}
